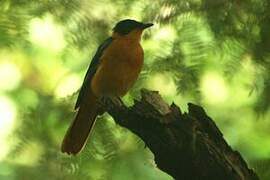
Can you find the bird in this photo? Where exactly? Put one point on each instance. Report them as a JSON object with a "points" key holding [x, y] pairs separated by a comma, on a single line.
{"points": [[112, 72]]}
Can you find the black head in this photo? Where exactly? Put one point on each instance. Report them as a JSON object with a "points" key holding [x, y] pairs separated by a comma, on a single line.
{"points": [[126, 26]]}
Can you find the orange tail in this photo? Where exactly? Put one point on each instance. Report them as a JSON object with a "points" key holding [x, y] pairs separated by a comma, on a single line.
{"points": [[80, 128]]}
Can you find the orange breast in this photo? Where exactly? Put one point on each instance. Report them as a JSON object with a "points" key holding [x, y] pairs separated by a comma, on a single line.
{"points": [[120, 66]]}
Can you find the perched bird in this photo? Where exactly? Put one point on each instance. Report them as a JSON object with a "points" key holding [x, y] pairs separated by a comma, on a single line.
{"points": [[112, 72]]}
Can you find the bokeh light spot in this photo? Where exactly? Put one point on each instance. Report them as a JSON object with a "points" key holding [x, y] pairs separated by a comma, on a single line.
{"points": [[165, 33], [164, 84], [10, 76], [7, 118], [213, 88], [31, 154], [68, 86], [47, 34]]}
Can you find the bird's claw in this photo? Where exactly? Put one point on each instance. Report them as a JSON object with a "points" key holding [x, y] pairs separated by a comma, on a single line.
{"points": [[109, 100], [117, 100]]}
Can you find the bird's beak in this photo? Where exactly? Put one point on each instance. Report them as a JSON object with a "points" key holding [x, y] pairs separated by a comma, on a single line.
{"points": [[147, 25]]}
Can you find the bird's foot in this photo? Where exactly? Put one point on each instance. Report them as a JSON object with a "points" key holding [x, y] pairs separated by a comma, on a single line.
{"points": [[107, 101], [117, 101]]}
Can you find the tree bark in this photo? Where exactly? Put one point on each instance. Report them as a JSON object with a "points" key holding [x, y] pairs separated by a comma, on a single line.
{"points": [[188, 146]]}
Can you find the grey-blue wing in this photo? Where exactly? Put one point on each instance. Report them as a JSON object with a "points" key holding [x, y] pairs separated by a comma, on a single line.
{"points": [[92, 70]]}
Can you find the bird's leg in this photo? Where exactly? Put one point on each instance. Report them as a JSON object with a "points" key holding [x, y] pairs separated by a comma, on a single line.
{"points": [[107, 101], [103, 101], [116, 100]]}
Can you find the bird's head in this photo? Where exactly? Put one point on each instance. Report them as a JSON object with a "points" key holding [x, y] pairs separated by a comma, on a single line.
{"points": [[130, 28]]}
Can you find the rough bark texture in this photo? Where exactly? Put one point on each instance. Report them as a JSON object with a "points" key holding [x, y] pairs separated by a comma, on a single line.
{"points": [[188, 146]]}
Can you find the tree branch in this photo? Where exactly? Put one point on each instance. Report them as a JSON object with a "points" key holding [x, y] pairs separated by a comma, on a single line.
{"points": [[185, 145]]}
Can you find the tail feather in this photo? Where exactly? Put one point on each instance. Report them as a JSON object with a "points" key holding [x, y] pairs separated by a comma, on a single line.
{"points": [[80, 128]]}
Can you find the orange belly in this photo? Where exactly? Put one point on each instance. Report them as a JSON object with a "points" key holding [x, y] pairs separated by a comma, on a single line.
{"points": [[120, 66]]}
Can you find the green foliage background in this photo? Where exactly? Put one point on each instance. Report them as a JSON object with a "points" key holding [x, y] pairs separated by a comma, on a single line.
{"points": [[213, 53]]}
